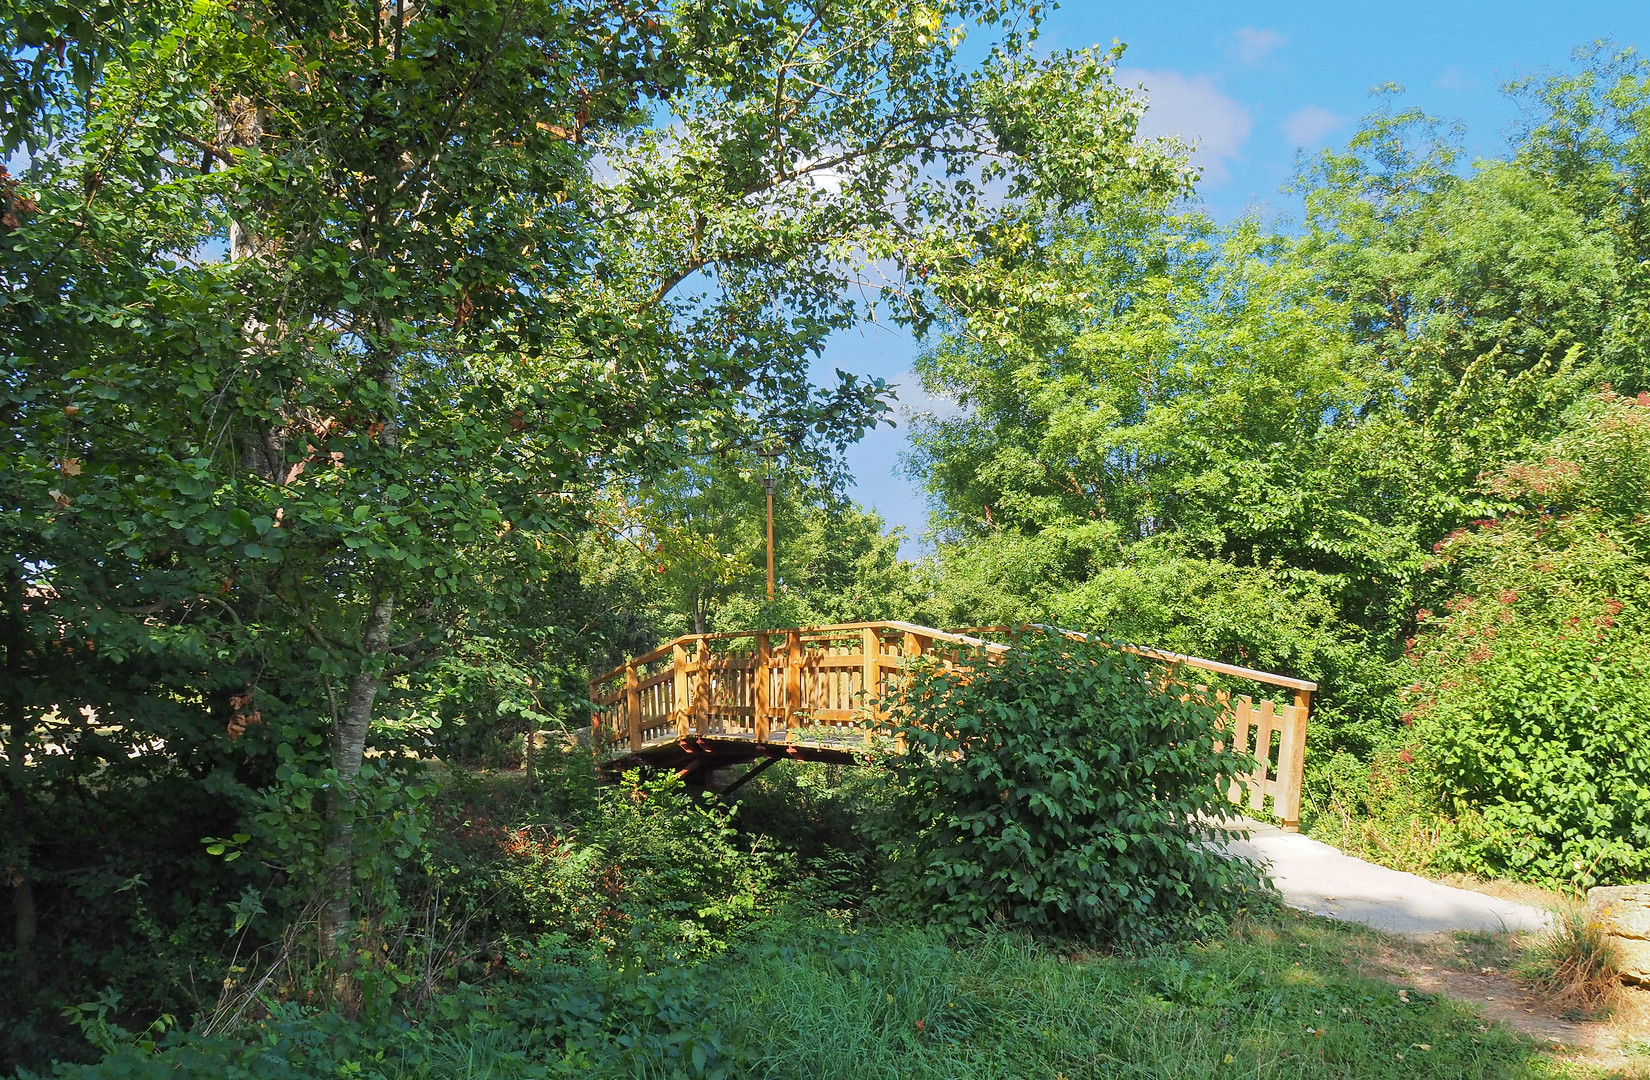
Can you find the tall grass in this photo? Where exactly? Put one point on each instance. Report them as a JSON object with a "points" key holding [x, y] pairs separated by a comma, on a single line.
{"points": [[1573, 962], [902, 1005], [821, 999]]}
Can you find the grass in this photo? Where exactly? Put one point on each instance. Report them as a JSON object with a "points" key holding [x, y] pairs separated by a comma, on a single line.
{"points": [[1271, 1001], [1574, 963], [1280, 997]]}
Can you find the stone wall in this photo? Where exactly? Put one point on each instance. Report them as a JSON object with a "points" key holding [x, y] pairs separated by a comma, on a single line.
{"points": [[1623, 912]]}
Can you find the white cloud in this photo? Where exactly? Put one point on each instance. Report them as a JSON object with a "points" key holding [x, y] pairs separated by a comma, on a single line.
{"points": [[1249, 46], [1193, 108], [1308, 126], [917, 404]]}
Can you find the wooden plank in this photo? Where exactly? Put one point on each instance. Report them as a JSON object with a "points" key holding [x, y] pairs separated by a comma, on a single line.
{"points": [[793, 681], [838, 661], [1264, 726], [764, 689], [679, 687], [701, 688], [633, 706], [869, 645], [648, 682], [1293, 776], [1192, 661], [1242, 716]]}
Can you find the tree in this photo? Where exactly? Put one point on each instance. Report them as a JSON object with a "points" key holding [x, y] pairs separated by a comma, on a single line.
{"points": [[1247, 442], [481, 260]]}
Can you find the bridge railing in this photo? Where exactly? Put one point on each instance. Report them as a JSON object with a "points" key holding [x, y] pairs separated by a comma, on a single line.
{"points": [[761, 684], [767, 686], [1268, 723]]}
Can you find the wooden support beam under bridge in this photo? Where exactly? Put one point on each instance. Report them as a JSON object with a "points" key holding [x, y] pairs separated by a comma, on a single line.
{"points": [[819, 693]]}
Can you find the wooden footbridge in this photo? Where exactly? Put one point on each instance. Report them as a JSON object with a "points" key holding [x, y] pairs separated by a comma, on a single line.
{"points": [[705, 701]]}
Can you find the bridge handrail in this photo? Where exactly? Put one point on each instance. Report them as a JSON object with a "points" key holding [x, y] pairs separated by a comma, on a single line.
{"points": [[1286, 681], [957, 636], [820, 680]]}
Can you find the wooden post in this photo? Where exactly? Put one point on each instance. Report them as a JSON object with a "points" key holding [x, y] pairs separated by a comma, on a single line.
{"points": [[701, 688], [679, 688], [1292, 762], [761, 706], [1241, 718], [871, 670], [793, 681], [633, 704]]}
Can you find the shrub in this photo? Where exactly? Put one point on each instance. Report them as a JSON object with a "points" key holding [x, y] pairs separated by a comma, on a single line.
{"points": [[643, 863], [1057, 789], [1531, 709]]}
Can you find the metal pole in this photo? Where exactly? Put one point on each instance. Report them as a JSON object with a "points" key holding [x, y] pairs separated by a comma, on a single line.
{"points": [[770, 543]]}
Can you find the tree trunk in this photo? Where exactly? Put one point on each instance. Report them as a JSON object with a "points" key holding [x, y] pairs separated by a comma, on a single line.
{"points": [[696, 600], [349, 740], [349, 735], [20, 875]]}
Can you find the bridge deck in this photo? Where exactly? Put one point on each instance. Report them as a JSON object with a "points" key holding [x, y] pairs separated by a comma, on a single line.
{"points": [[693, 752], [819, 694]]}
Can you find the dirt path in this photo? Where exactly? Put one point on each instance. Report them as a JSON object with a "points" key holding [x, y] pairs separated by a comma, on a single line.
{"points": [[1473, 968], [1440, 939]]}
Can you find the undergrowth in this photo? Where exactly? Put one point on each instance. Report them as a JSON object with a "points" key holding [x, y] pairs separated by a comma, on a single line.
{"points": [[821, 997]]}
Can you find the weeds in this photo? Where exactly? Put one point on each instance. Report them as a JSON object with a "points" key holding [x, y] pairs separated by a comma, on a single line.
{"points": [[1573, 962]]}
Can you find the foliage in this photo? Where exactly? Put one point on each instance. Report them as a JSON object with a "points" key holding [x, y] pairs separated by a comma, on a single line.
{"points": [[821, 999], [684, 551], [327, 328], [1056, 787], [1530, 704], [1248, 441]]}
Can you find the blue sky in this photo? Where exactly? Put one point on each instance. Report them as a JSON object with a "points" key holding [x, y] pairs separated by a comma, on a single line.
{"points": [[1256, 85]]}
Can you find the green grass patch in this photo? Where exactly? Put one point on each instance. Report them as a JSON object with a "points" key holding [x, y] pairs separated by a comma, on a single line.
{"points": [[823, 998]]}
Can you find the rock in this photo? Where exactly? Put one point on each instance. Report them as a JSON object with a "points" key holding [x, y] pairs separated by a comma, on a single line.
{"points": [[1623, 913]]}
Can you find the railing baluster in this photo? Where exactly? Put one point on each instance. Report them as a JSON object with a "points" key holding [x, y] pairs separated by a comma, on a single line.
{"points": [[793, 681], [701, 689], [633, 705]]}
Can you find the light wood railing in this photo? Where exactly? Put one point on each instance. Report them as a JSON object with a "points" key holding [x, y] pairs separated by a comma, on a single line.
{"points": [[833, 683], [1272, 732]]}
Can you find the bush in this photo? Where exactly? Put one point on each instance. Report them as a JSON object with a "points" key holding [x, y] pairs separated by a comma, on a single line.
{"points": [[641, 864], [1057, 789], [1531, 709]]}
